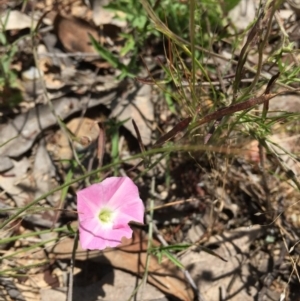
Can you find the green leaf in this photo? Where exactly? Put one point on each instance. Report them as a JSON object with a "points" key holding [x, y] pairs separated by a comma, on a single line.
{"points": [[3, 40], [104, 53], [109, 57], [161, 251], [172, 258], [129, 45], [71, 230], [230, 4], [179, 247]]}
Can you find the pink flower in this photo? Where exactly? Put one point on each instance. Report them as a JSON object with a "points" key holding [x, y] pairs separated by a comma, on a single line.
{"points": [[104, 211]]}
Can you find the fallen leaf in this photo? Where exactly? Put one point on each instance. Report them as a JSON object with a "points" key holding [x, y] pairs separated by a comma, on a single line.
{"points": [[73, 33], [136, 105], [16, 20], [131, 256], [100, 14], [43, 175], [75, 36], [85, 132], [26, 127], [17, 183]]}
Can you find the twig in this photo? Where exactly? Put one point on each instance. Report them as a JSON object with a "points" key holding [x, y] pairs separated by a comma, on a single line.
{"points": [[268, 17], [241, 106], [64, 55], [71, 278]]}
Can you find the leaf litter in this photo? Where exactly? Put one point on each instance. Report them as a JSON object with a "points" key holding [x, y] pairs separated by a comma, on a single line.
{"points": [[249, 218]]}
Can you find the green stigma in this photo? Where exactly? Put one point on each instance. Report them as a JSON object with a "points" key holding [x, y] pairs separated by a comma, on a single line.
{"points": [[105, 216]]}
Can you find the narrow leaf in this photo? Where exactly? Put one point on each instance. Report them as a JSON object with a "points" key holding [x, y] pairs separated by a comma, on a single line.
{"points": [[179, 127], [101, 144]]}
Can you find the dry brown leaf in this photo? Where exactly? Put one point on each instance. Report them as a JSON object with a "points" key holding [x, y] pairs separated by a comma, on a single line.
{"points": [[18, 183], [100, 14], [43, 176], [43, 169], [131, 256], [86, 132], [73, 33], [138, 106], [17, 20], [26, 127]]}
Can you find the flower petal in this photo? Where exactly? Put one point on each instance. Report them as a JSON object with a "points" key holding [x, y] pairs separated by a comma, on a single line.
{"points": [[86, 209], [118, 195], [88, 199], [117, 188], [130, 212], [100, 237], [123, 195]]}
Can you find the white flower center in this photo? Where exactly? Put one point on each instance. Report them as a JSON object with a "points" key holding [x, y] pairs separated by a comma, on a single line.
{"points": [[106, 216]]}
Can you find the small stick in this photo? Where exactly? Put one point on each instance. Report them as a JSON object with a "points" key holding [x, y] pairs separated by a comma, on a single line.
{"points": [[179, 127], [241, 106]]}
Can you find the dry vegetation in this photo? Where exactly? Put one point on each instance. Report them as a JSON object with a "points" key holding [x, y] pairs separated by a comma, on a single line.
{"points": [[198, 103]]}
